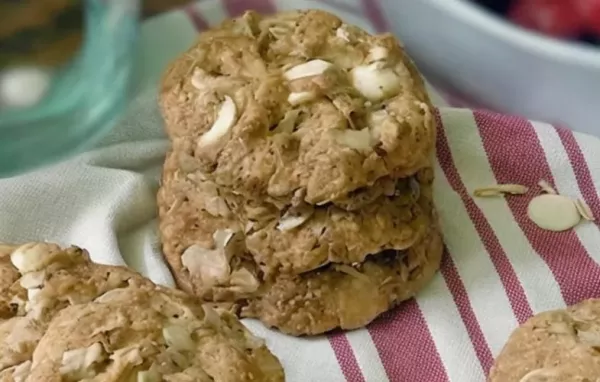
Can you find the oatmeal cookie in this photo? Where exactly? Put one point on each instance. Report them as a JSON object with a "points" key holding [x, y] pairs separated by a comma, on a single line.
{"points": [[51, 280], [560, 345], [344, 296], [150, 334], [296, 240], [296, 103]]}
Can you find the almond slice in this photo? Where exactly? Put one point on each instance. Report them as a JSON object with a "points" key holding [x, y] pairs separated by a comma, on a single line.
{"points": [[148, 376], [295, 217], [546, 187], [501, 189], [21, 371], [197, 79], [226, 118], [178, 337], [307, 69], [553, 212], [342, 33], [533, 375], [297, 98], [584, 210], [77, 363], [355, 139], [375, 82]]}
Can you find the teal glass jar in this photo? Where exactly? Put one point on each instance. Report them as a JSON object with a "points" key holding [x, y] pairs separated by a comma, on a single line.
{"points": [[82, 98]]}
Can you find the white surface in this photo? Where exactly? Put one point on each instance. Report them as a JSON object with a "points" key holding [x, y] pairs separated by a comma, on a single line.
{"points": [[498, 65]]}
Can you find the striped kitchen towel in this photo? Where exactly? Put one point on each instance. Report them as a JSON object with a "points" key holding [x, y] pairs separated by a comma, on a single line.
{"points": [[498, 269]]}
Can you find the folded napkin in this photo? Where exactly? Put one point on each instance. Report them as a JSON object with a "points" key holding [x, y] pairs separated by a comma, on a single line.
{"points": [[499, 268]]}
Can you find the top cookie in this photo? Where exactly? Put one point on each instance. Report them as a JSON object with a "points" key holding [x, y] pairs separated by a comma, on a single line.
{"points": [[296, 103], [560, 345]]}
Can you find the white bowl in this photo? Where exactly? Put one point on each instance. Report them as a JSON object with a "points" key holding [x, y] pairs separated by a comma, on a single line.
{"points": [[499, 65]]}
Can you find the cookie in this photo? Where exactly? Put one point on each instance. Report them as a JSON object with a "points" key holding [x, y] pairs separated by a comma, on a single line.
{"points": [[49, 279], [296, 103], [559, 345], [298, 240], [149, 334], [8, 275], [343, 296], [52, 280]]}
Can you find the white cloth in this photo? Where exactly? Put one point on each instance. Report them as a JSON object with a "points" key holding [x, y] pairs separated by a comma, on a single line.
{"points": [[500, 270]]}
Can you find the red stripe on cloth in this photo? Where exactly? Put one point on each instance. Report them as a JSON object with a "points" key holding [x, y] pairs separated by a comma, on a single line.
{"points": [[581, 170], [345, 357], [194, 14], [375, 15], [405, 345], [516, 156], [238, 7], [508, 277], [461, 299]]}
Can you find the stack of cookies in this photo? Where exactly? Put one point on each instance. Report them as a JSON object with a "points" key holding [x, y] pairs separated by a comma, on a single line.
{"points": [[298, 185]]}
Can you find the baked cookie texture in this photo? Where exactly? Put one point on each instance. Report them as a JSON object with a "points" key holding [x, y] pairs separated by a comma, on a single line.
{"points": [[298, 185], [297, 102], [74, 320], [559, 346]]}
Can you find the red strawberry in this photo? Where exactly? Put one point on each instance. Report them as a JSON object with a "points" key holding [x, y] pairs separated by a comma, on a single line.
{"points": [[590, 13], [558, 18]]}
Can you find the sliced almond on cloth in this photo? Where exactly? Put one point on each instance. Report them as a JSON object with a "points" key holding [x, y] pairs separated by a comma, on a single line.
{"points": [[584, 210], [553, 212], [501, 189], [546, 187]]}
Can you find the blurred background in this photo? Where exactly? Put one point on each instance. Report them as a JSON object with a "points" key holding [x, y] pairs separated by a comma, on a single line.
{"points": [[68, 68]]}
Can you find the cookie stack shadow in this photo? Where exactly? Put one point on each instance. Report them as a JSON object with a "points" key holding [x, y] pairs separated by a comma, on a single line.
{"points": [[298, 187]]}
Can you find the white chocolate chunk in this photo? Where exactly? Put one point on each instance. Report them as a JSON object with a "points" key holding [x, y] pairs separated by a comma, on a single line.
{"points": [[178, 337], [307, 69], [375, 82], [226, 118], [297, 98], [553, 212], [32, 293], [32, 257], [33, 279]]}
